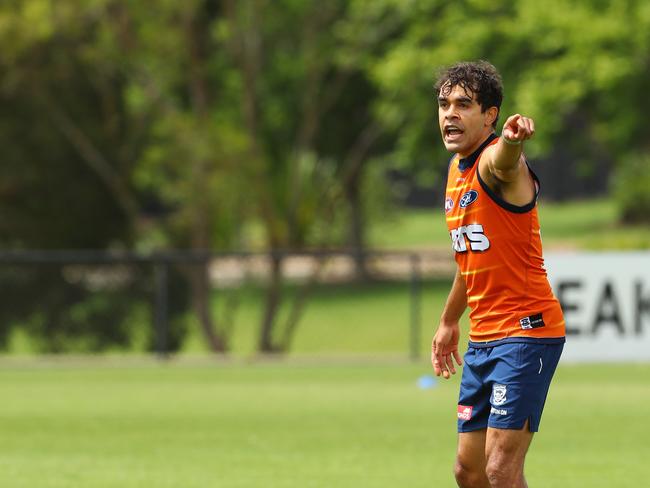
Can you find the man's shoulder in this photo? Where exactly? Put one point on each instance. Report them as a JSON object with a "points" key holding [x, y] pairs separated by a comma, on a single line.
{"points": [[486, 155]]}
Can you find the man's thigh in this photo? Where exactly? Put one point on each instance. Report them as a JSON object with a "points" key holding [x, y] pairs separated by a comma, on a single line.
{"points": [[520, 381], [471, 449], [508, 446], [474, 395]]}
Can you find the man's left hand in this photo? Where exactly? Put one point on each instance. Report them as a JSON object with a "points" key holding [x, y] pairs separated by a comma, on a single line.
{"points": [[518, 129]]}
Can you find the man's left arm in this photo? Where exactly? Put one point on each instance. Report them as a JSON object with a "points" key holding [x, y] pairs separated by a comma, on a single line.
{"points": [[505, 161]]}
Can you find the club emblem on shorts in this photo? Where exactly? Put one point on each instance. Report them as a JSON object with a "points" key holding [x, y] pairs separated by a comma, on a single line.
{"points": [[498, 395], [449, 204], [468, 198], [464, 412]]}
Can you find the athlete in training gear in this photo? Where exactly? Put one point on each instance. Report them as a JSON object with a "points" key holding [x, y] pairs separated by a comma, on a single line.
{"points": [[516, 324]]}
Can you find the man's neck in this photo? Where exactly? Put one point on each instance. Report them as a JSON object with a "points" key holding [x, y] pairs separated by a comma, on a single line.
{"points": [[478, 143], [468, 161]]}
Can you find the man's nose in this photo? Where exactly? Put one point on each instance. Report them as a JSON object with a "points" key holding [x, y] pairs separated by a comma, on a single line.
{"points": [[450, 113]]}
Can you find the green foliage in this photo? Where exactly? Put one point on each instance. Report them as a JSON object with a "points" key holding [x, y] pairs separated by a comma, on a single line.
{"points": [[631, 184], [68, 146], [189, 116], [557, 59]]}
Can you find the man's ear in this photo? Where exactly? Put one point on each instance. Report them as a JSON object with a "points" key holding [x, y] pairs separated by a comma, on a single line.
{"points": [[492, 114]]}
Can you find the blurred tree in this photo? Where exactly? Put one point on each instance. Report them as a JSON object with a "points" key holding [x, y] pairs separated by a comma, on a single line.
{"points": [[238, 106], [66, 135], [578, 68], [70, 147], [195, 165], [176, 126], [308, 109], [631, 184]]}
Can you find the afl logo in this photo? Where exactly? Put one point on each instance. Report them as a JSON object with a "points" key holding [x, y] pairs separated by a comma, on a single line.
{"points": [[449, 204], [468, 198]]}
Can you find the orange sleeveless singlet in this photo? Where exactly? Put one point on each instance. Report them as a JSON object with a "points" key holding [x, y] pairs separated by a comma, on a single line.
{"points": [[498, 249]]}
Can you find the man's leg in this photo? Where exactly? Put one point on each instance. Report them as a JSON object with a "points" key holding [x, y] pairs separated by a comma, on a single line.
{"points": [[505, 452], [470, 460]]}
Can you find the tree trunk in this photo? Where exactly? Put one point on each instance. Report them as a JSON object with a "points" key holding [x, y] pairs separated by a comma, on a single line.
{"points": [[356, 223], [272, 304], [299, 304], [201, 302], [352, 178], [196, 31]]}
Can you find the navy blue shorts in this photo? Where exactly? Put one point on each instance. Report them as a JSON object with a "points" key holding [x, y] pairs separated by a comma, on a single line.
{"points": [[505, 383]]}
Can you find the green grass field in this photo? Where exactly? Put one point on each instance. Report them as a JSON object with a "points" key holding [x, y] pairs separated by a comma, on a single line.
{"points": [[136, 423]]}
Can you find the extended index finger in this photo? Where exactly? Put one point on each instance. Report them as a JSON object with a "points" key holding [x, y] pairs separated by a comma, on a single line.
{"points": [[512, 121]]}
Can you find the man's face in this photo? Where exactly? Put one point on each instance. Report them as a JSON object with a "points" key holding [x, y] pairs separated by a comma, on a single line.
{"points": [[462, 124]]}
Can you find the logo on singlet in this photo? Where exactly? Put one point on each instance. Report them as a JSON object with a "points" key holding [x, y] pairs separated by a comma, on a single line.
{"points": [[472, 233], [449, 204], [532, 321], [468, 198]]}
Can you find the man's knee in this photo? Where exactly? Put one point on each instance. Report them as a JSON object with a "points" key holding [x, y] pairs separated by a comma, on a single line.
{"points": [[505, 455], [504, 471], [468, 476]]}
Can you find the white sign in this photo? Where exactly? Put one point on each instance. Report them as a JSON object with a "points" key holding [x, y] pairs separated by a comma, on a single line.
{"points": [[606, 302]]}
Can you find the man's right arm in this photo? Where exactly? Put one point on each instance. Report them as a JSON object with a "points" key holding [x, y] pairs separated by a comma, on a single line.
{"points": [[445, 341]]}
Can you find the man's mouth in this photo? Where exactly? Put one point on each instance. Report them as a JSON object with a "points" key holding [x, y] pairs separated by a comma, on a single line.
{"points": [[452, 132]]}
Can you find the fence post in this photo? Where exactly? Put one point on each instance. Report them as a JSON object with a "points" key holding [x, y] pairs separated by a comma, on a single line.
{"points": [[416, 290], [161, 276]]}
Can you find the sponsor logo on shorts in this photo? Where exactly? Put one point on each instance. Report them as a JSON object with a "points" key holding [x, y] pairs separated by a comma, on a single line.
{"points": [[498, 411], [464, 412], [498, 395], [468, 198]]}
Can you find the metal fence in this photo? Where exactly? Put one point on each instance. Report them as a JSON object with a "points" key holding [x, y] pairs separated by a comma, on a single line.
{"points": [[232, 269]]}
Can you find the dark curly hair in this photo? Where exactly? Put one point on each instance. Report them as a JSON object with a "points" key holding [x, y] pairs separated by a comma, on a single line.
{"points": [[480, 78]]}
